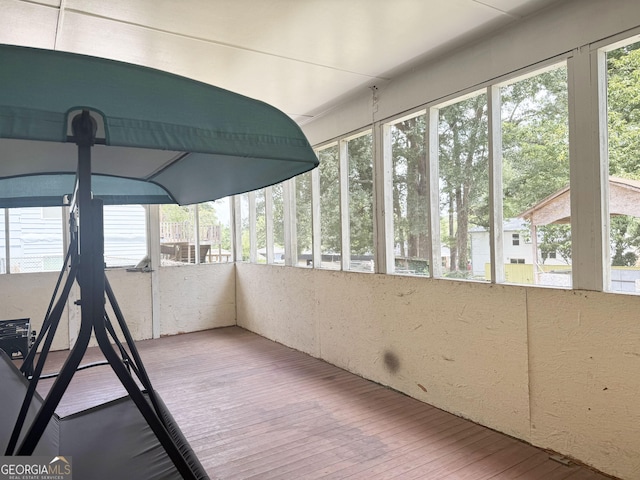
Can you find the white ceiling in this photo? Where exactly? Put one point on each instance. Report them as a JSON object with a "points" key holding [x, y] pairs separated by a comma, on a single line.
{"points": [[301, 56]]}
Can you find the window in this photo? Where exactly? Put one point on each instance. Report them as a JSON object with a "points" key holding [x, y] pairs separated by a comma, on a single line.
{"points": [[278, 244], [535, 174], [623, 94], [515, 239], [177, 224], [50, 213], [125, 235], [244, 228], [35, 242], [330, 229], [195, 233], [303, 209], [410, 198], [3, 242], [34, 239], [261, 225], [360, 171], [464, 188], [215, 227], [517, 261]]}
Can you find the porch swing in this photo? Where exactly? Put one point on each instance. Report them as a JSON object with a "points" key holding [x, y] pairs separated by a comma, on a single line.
{"points": [[154, 138]]}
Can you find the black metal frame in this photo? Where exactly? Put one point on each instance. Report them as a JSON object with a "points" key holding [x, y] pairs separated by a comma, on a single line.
{"points": [[85, 263]]}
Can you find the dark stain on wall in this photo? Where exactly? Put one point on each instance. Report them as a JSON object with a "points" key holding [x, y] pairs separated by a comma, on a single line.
{"points": [[391, 361]]}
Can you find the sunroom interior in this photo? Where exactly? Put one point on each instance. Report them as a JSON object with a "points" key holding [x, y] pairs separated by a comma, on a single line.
{"points": [[407, 257]]}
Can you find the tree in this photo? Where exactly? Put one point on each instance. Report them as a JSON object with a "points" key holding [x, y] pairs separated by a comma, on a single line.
{"points": [[277, 192], [625, 240], [535, 136], [331, 239], [175, 213], [303, 213], [463, 163], [555, 239], [410, 200], [361, 194], [623, 108]]}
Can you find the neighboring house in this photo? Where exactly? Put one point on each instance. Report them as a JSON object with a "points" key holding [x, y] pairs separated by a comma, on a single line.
{"points": [[520, 242], [125, 234], [36, 238], [517, 247], [624, 199]]}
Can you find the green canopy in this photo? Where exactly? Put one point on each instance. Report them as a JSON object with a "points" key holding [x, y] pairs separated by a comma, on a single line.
{"points": [[165, 138]]}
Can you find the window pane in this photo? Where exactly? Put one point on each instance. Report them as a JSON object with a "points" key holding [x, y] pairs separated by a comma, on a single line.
{"points": [[464, 187], [623, 65], [3, 244], [303, 220], [125, 235], [361, 203], [535, 173], [261, 227], [244, 227], [330, 235], [215, 231], [35, 237], [278, 224], [410, 201], [177, 234], [215, 226]]}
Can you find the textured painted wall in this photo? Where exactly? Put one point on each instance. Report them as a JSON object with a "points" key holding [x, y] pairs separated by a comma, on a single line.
{"points": [[458, 346], [27, 295], [560, 369], [133, 293], [196, 297], [585, 377], [278, 305]]}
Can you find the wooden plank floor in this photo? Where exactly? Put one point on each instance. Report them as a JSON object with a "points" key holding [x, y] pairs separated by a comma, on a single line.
{"points": [[254, 409]]}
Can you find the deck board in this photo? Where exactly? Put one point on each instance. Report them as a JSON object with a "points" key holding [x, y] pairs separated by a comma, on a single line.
{"points": [[254, 409]]}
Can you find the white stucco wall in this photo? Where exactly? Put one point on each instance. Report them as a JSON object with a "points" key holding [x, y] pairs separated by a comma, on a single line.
{"points": [[190, 298], [557, 368], [27, 295], [459, 346], [196, 297], [584, 351], [133, 293]]}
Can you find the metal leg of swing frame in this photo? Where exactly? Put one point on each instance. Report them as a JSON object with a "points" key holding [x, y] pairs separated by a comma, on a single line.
{"points": [[50, 326], [93, 286], [94, 319]]}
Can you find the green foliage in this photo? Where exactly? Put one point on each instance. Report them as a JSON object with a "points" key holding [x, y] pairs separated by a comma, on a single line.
{"points": [[361, 195], [625, 240], [535, 148], [303, 213], [463, 164], [535, 164], [175, 213], [624, 111], [623, 107], [410, 202], [330, 200], [535, 140], [555, 238]]}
